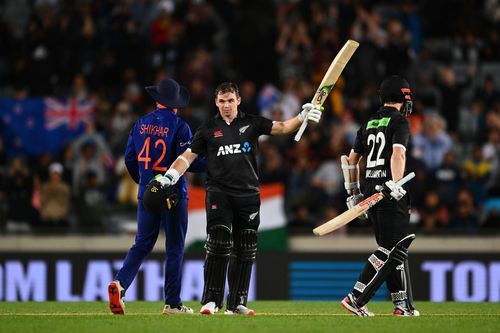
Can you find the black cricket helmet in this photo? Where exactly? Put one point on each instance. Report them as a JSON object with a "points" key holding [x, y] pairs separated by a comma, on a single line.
{"points": [[158, 199], [397, 90]]}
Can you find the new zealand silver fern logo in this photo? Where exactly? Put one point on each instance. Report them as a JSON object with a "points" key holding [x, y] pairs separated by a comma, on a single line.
{"points": [[243, 129]]}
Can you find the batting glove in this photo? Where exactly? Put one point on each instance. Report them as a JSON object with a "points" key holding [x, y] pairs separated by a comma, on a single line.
{"points": [[355, 199], [169, 178], [310, 113], [391, 190]]}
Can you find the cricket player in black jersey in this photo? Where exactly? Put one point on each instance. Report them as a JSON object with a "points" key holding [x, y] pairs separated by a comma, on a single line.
{"points": [[383, 140], [230, 143]]}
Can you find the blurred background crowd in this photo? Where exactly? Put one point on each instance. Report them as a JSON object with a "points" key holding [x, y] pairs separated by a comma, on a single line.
{"points": [[106, 51]]}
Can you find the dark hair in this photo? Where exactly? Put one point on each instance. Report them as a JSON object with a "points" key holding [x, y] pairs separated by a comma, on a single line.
{"points": [[227, 87]]}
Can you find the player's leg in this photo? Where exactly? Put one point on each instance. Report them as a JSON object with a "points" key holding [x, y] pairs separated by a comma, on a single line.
{"points": [[148, 226], [399, 284], [245, 225], [175, 222], [218, 247], [398, 280], [392, 252]]}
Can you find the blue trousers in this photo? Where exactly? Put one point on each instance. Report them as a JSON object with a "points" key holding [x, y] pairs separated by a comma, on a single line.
{"points": [[148, 227]]}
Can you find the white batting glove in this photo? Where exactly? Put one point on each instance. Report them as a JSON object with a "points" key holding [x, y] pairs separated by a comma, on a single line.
{"points": [[392, 190], [169, 178], [310, 113], [355, 199]]}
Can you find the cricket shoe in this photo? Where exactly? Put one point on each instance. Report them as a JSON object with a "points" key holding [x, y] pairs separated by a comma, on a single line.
{"points": [[209, 309], [240, 310], [180, 309], [405, 312], [349, 303], [115, 294]]}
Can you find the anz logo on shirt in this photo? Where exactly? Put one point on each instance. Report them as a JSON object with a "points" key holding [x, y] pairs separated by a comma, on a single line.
{"points": [[234, 149]]}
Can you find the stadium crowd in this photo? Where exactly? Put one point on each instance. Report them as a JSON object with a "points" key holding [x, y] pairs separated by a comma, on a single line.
{"points": [[277, 51]]}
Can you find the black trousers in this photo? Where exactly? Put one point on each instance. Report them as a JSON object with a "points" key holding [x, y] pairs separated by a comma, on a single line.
{"points": [[390, 220], [236, 213]]}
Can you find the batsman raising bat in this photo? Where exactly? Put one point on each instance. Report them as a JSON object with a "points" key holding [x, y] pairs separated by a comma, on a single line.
{"points": [[383, 140]]}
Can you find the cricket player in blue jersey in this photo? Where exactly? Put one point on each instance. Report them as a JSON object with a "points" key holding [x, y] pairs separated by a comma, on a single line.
{"points": [[154, 143]]}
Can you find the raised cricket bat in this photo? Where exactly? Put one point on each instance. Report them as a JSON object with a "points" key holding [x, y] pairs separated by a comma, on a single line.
{"points": [[331, 76], [355, 211]]}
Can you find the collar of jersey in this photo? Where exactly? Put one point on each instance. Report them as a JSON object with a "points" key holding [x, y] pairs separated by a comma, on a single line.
{"points": [[387, 109], [165, 110]]}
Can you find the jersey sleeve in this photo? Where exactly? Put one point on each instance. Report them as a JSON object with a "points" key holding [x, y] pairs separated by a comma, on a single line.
{"points": [[199, 143], [183, 141], [401, 133], [358, 143], [183, 138], [131, 158], [264, 125]]}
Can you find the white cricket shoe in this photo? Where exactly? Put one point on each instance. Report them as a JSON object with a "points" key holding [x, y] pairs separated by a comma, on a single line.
{"points": [[115, 294], [349, 303], [240, 310], [209, 309], [405, 312], [181, 309]]}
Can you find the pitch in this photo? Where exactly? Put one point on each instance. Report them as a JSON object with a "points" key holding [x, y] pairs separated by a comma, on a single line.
{"points": [[282, 316]]}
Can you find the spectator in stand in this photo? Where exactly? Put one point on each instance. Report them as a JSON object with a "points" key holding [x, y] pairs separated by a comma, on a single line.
{"points": [[433, 143], [328, 180], [477, 172], [447, 179], [121, 123], [465, 217], [55, 196], [491, 153], [19, 187], [488, 93], [433, 213], [91, 204], [451, 90], [91, 154]]}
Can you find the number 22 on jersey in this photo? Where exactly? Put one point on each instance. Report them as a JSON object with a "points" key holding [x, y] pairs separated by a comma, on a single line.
{"points": [[144, 154], [375, 141]]}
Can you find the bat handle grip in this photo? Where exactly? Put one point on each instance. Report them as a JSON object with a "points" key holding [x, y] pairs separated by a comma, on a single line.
{"points": [[301, 130], [400, 182], [406, 178]]}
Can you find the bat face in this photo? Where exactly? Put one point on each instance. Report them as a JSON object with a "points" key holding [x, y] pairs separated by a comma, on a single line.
{"points": [[330, 78], [372, 200], [322, 94]]}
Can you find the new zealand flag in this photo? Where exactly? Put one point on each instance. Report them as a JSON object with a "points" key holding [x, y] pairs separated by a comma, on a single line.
{"points": [[42, 125]]}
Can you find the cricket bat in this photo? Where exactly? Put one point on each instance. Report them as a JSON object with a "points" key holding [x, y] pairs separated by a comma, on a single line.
{"points": [[331, 76], [355, 211]]}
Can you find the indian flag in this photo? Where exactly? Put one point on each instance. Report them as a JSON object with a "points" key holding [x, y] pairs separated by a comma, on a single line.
{"points": [[272, 229]]}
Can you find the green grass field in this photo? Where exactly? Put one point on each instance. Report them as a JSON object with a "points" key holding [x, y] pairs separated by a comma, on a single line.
{"points": [[273, 317]]}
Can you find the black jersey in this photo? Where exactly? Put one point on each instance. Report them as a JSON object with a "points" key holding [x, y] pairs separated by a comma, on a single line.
{"points": [[231, 151], [385, 129]]}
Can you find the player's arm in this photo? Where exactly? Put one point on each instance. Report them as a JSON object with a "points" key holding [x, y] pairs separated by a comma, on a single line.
{"points": [[131, 159], [398, 162], [184, 161], [183, 138], [350, 167], [309, 113], [350, 170], [178, 168]]}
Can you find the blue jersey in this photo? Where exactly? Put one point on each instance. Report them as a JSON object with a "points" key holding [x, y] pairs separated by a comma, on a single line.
{"points": [[154, 143]]}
